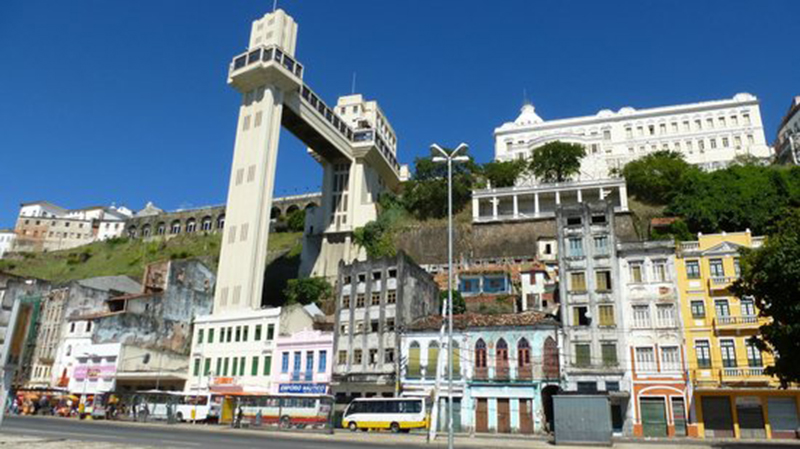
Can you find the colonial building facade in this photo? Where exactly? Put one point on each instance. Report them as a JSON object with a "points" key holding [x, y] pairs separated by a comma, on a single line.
{"points": [[709, 134], [505, 369], [655, 356], [732, 397]]}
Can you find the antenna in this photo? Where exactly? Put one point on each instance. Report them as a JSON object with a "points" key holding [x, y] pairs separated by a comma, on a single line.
{"points": [[353, 85]]}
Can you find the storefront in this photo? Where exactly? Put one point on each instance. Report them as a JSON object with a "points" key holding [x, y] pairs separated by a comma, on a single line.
{"points": [[747, 414]]}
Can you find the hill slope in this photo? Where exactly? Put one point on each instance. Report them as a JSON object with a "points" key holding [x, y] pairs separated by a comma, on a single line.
{"points": [[129, 257]]}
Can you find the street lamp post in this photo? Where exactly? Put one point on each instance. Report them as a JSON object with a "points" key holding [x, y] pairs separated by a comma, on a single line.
{"points": [[449, 158]]}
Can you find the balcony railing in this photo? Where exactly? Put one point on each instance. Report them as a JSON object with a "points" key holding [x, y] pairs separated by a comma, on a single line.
{"points": [[731, 375], [502, 373], [481, 374], [720, 282], [266, 54], [729, 320], [742, 372], [525, 373], [690, 246]]}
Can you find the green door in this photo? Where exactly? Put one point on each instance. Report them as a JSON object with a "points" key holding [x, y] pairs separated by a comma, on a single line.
{"points": [[654, 417]]}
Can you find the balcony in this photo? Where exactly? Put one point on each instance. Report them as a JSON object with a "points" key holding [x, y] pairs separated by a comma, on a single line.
{"points": [[718, 283], [716, 377], [267, 54], [525, 373], [730, 322], [480, 374], [502, 373]]}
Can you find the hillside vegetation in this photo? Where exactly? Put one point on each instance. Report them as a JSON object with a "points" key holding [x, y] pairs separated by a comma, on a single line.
{"points": [[124, 256]]}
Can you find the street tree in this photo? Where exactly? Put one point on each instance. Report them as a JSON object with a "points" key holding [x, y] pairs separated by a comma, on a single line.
{"points": [[771, 276]]}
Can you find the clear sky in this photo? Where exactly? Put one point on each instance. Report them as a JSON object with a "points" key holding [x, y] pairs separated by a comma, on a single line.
{"points": [[126, 101]]}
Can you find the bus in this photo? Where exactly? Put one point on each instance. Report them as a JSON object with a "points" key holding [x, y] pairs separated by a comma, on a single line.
{"points": [[156, 405], [286, 411], [395, 414]]}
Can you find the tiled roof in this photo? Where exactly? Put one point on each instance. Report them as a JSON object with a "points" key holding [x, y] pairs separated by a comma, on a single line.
{"points": [[473, 320]]}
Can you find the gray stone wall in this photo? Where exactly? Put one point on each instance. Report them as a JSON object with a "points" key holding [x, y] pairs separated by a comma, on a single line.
{"points": [[428, 244]]}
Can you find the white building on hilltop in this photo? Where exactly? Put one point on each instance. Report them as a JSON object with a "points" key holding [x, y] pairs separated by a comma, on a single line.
{"points": [[709, 134]]}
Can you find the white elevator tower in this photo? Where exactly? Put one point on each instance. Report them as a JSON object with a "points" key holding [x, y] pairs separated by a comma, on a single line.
{"points": [[353, 142]]}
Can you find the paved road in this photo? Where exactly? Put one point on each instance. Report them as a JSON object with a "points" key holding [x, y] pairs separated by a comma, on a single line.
{"points": [[185, 436]]}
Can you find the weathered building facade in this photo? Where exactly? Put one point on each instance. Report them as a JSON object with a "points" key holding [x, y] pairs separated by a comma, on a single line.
{"points": [[505, 370], [374, 299], [594, 343]]}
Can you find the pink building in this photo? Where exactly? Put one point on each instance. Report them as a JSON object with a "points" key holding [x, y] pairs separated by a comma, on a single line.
{"points": [[302, 363]]}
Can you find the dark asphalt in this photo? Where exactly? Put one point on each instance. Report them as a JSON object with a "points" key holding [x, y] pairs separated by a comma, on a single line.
{"points": [[182, 437]]}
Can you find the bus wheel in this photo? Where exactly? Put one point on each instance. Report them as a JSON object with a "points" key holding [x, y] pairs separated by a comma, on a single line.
{"points": [[395, 427], [284, 423], [352, 426], [179, 415]]}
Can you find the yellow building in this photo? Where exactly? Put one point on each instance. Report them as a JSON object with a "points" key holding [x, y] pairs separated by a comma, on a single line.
{"points": [[731, 396]]}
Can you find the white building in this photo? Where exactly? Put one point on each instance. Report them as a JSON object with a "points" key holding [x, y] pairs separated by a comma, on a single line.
{"points": [[537, 288], [787, 145], [7, 237], [43, 226], [236, 351], [709, 134], [649, 301]]}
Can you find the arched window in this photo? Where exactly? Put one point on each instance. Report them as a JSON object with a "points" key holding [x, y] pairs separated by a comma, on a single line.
{"points": [[480, 354], [146, 230], [310, 206], [292, 208], [413, 361], [275, 213], [550, 362], [132, 232], [433, 360], [206, 223], [161, 229], [523, 353], [221, 221], [501, 360], [175, 227], [191, 225]]}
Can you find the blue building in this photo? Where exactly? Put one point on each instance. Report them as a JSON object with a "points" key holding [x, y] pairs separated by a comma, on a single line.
{"points": [[506, 367]]}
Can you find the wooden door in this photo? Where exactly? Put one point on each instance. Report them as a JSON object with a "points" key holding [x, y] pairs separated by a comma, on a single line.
{"points": [[503, 416], [654, 417], [482, 415], [526, 416]]}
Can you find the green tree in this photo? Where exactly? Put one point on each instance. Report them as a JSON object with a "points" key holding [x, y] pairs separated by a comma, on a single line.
{"points": [[307, 290], [557, 161], [376, 236], [459, 304], [736, 198], [425, 195], [504, 173], [771, 276], [297, 220], [654, 178]]}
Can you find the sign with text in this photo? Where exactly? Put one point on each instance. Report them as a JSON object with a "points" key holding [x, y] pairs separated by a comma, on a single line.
{"points": [[303, 388], [94, 372]]}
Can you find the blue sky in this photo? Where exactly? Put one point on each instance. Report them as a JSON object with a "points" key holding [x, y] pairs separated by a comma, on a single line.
{"points": [[127, 102]]}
